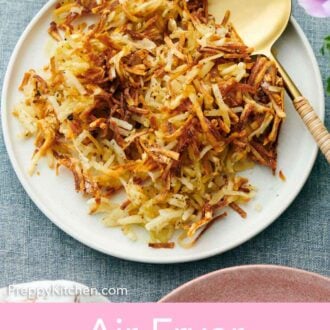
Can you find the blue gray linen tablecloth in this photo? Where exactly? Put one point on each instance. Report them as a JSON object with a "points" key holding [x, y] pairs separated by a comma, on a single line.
{"points": [[32, 248]]}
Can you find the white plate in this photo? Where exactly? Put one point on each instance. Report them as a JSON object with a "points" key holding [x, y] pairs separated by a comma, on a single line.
{"points": [[56, 198], [50, 292]]}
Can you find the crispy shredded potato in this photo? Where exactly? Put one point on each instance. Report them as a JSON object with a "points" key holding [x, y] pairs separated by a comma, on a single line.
{"points": [[157, 99]]}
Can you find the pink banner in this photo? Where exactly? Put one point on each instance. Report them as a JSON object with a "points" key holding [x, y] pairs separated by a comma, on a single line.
{"points": [[165, 316]]}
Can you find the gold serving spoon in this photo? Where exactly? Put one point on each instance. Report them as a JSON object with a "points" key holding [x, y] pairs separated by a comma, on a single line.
{"points": [[260, 24]]}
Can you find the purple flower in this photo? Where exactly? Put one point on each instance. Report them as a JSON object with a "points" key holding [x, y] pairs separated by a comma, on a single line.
{"points": [[317, 8]]}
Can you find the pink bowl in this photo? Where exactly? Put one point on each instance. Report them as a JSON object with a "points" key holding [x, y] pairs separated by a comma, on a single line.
{"points": [[256, 283]]}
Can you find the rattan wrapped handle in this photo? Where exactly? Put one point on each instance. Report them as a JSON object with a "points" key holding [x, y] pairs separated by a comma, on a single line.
{"points": [[314, 124]]}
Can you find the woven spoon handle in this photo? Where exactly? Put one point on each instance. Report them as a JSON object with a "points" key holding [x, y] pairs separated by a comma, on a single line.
{"points": [[314, 124], [306, 112]]}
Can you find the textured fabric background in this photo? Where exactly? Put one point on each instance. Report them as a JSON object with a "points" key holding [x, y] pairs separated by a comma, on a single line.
{"points": [[32, 248]]}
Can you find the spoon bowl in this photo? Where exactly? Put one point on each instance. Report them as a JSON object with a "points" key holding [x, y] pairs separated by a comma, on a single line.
{"points": [[261, 23]]}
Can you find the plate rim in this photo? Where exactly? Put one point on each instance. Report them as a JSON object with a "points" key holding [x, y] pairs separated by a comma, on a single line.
{"points": [[257, 267], [148, 259]]}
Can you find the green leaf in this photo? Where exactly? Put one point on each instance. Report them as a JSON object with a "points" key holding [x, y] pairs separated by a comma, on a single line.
{"points": [[326, 46], [325, 51]]}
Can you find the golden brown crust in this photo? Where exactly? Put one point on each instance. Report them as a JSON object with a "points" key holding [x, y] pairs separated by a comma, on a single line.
{"points": [[157, 99], [169, 245]]}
